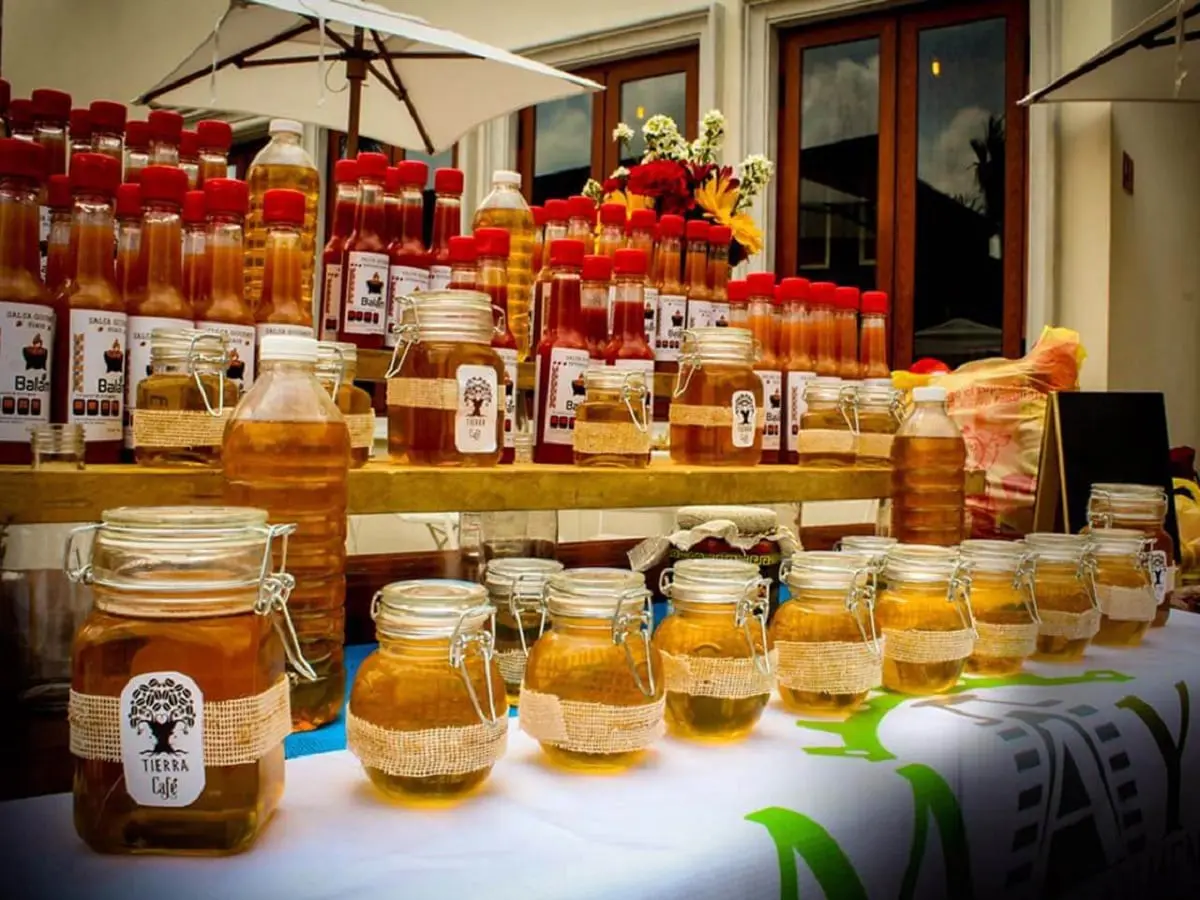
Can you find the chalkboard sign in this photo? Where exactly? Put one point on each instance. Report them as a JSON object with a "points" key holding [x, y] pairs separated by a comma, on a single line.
{"points": [[1093, 437]]}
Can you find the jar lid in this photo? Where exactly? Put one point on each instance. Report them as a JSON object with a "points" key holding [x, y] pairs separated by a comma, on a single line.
{"points": [[336, 358], [596, 593], [870, 394], [873, 544], [715, 581], [818, 570], [824, 389], [747, 519], [524, 577], [1137, 502], [921, 562], [718, 344], [1051, 547], [430, 608], [447, 316], [610, 378], [992, 556], [183, 344], [1116, 541]]}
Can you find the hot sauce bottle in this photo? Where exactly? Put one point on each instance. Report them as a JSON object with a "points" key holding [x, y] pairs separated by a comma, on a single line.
{"points": [[447, 223], [189, 157], [612, 229], [581, 221], [195, 262], [846, 326], [137, 150], [158, 300], [796, 362], [672, 295], [822, 342], [872, 345], [92, 341], [464, 264], [699, 306], [108, 128], [391, 205], [224, 309], [20, 119], [719, 237], [641, 226], [27, 311], [282, 310], [365, 261], [539, 237], [629, 348], [561, 360], [345, 177], [557, 215], [761, 287], [5, 97], [738, 293], [491, 246], [214, 138], [408, 267], [593, 301], [51, 114], [79, 133], [129, 237], [166, 130], [56, 257]]}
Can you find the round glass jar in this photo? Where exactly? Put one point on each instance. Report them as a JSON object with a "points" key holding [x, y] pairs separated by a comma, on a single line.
{"points": [[337, 366], [1142, 507], [1124, 577], [179, 699], [185, 399], [824, 641], [873, 546], [445, 389], [717, 410], [925, 618], [1006, 619], [593, 689], [517, 588], [714, 649], [827, 435], [876, 412], [427, 716], [612, 425], [1062, 572]]}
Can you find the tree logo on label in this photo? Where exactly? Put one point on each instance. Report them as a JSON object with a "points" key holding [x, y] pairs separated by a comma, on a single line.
{"points": [[478, 393], [157, 709], [744, 408]]}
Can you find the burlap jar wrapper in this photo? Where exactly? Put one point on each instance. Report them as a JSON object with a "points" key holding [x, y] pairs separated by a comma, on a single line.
{"points": [[1069, 625], [827, 667], [423, 393], [169, 429], [652, 550], [622, 438], [708, 416], [428, 752], [874, 446], [928, 646], [236, 732], [512, 665], [714, 676], [1122, 604], [590, 727], [1001, 641], [825, 440], [362, 429]]}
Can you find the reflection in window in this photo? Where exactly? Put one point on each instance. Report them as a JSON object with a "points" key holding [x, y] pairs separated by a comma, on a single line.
{"points": [[664, 95], [562, 147]]}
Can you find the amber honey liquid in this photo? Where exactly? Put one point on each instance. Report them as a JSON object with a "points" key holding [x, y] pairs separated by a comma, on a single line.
{"points": [[821, 619], [996, 602], [714, 386], [608, 413], [519, 225], [918, 608], [928, 485], [178, 392], [508, 639], [265, 177], [1114, 632], [1058, 589]]}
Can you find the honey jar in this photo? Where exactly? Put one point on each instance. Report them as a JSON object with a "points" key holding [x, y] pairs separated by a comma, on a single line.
{"points": [[873, 546], [1125, 569], [184, 400], [593, 689], [824, 640], [427, 716], [1142, 507], [516, 586], [612, 425], [179, 700], [446, 383], [1006, 617], [877, 415], [714, 648], [1063, 571], [337, 365], [717, 411], [827, 435], [925, 618]]}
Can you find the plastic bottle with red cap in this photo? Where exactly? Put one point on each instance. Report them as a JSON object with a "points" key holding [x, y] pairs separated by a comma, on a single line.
{"points": [[345, 204], [797, 363], [224, 308], [408, 257], [282, 309], [79, 133], [20, 119], [719, 237], [672, 294], [593, 302], [166, 131], [492, 250], [872, 344], [365, 261], [557, 216], [845, 321], [56, 259], [5, 99], [821, 332], [761, 302], [629, 348], [189, 157], [738, 293], [699, 306], [137, 149], [581, 222], [27, 311], [51, 114], [214, 138], [129, 235], [195, 268], [447, 223], [562, 358], [108, 128], [464, 263], [641, 227], [612, 229]]}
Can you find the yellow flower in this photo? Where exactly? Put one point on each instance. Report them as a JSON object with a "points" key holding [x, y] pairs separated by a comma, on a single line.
{"points": [[718, 200]]}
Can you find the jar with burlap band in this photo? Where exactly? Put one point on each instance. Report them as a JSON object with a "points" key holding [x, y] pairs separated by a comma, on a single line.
{"points": [[447, 387], [1125, 569], [427, 716], [1063, 575], [876, 412], [185, 401], [716, 664], [612, 425], [593, 689], [874, 547], [179, 698], [717, 412], [517, 588], [925, 618], [1142, 507], [827, 436], [1006, 614], [337, 366], [824, 639]]}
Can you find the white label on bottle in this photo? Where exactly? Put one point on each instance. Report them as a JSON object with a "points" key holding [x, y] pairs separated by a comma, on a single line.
{"points": [[44, 236], [566, 392], [263, 329], [137, 360], [797, 406], [651, 315], [439, 278], [332, 304], [366, 289], [162, 739], [745, 418], [404, 280], [720, 314], [97, 386], [478, 407], [509, 358], [241, 340], [1164, 575], [26, 358], [646, 367], [772, 383], [700, 314], [672, 315]]}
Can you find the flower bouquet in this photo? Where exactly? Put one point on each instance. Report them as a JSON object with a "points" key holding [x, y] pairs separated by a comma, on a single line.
{"points": [[676, 177]]}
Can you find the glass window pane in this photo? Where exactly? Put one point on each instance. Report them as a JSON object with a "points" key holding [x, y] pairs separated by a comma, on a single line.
{"points": [[662, 95], [562, 147], [958, 298], [839, 163]]}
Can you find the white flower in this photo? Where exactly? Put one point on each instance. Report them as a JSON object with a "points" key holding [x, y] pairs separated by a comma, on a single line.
{"points": [[593, 189], [622, 134], [620, 172], [712, 135], [663, 140], [753, 175]]}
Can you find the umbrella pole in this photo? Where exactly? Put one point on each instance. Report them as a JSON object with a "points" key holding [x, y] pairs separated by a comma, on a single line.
{"points": [[356, 72]]}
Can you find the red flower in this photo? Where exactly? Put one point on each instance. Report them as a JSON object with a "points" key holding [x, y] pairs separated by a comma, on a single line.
{"points": [[612, 185], [663, 179]]}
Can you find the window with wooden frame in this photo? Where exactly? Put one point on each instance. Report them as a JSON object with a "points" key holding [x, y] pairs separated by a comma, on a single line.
{"points": [[902, 168], [565, 142]]}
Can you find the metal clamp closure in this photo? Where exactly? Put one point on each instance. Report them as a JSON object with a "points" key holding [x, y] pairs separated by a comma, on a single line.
{"points": [[1023, 581], [860, 603], [516, 595], [628, 391], [408, 333], [460, 643], [958, 592], [644, 620], [77, 568], [196, 355], [755, 604], [274, 588]]}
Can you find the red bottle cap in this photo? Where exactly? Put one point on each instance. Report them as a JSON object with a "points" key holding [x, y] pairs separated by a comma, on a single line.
{"points": [[579, 207], [22, 159], [413, 173], [875, 302], [20, 115], [462, 249], [58, 192], [737, 291], [345, 171], [81, 124], [670, 226], [215, 135], [761, 284], [5, 95], [720, 235], [846, 298], [557, 210], [97, 173], [794, 290], [597, 268], [193, 208], [372, 166], [137, 135], [612, 213], [129, 200], [283, 206], [566, 252], [629, 261], [51, 106], [391, 180], [539, 216], [229, 196], [776, 296], [822, 292], [491, 242], [107, 116], [642, 218], [166, 184], [448, 181], [189, 144], [165, 126], [697, 230]]}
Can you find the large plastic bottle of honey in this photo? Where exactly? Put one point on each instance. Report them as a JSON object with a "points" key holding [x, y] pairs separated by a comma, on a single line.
{"points": [[287, 450], [929, 460], [504, 207]]}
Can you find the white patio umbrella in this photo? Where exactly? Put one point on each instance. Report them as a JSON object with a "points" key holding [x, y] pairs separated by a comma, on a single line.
{"points": [[408, 83]]}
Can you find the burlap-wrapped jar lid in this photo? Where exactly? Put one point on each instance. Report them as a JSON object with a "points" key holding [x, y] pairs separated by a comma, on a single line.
{"points": [[747, 519]]}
